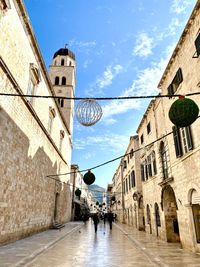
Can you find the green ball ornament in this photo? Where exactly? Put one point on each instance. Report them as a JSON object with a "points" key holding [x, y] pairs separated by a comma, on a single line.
{"points": [[78, 192], [89, 178], [183, 112]]}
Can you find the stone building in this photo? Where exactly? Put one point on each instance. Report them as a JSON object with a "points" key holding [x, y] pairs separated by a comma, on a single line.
{"points": [[80, 204], [169, 156], [35, 133], [128, 187]]}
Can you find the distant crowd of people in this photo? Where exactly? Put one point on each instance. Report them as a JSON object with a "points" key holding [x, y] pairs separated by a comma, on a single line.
{"points": [[110, 217]]}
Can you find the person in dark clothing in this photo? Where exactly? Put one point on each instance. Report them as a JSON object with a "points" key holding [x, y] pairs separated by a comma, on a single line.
{"points": [[110, 219], [96, 221]]}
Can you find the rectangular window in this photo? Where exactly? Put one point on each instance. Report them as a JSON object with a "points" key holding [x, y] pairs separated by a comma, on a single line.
{"points": [[186, 139], [133, 178], [142, 172], [149, 166], [129, 178], [125, 164], [197, 45], [148, 128], [4, 4], [182, 140], [131, 153], [172, 88], [141, 139], [126, 185], [177, 141]]}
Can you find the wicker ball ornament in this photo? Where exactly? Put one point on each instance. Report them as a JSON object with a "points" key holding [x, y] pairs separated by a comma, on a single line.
{"points": [[88, 112], [89, 178], [78, 192], [183, 112]]}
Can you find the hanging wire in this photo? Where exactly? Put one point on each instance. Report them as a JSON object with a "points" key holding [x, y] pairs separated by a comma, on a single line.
{"points": [[109, 161], [99, 98]]}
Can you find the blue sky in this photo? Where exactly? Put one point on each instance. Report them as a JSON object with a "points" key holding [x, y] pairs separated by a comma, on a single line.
{"points": [[121, 48]]}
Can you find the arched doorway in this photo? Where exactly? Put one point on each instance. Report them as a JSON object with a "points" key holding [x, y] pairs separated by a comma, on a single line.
{"points": [[149, 219], [195, 204], [170, 212], [157, 217]]}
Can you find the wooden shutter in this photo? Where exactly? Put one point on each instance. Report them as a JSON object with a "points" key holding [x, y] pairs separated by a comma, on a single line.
{"points": [[197, 45], [189, 137], [177, 141], [170, 90]]}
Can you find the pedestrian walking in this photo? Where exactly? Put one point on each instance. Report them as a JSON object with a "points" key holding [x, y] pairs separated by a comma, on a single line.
{"points": [[96, 221], [110, 219]]}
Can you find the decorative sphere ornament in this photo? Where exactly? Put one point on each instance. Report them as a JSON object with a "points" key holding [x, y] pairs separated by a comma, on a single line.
{"points": [[88, 112], [183, 112], [113, 198], [89, 178], [78, 192]]}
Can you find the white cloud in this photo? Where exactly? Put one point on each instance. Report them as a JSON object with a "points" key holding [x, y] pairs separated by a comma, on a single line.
{"points": [[145, 84], [179, 6], [87, 63], [108, 75], [144, 45], [82, 43], [115, 142], [105, 79], [171, 30]]}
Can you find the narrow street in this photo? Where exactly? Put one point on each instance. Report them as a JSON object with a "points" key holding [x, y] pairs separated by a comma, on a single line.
{"points": [[122, 246]]}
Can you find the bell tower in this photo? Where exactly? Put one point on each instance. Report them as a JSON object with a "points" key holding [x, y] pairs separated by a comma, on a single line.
{"points": [[63, 77]]}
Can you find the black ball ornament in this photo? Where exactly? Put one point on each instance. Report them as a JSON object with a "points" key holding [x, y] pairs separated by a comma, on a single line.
{"points": [[183, 112], [97, 203], [78, 192], [89, 178]]}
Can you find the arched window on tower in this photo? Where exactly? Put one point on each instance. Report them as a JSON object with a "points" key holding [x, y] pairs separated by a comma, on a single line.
{"points": [[62, 62], [63, 80], [70, 63], [61, 102], [55, 63], [57, 80]]}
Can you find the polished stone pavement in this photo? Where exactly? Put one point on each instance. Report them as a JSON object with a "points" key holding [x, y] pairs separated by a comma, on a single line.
{"points": [[78, 245]]}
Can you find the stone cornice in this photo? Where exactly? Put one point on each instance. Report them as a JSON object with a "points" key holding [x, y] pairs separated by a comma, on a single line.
{"points": [[181, 40]]}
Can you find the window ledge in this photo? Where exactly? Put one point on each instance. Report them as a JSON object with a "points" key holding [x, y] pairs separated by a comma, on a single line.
{"points": [[166, 181]]}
